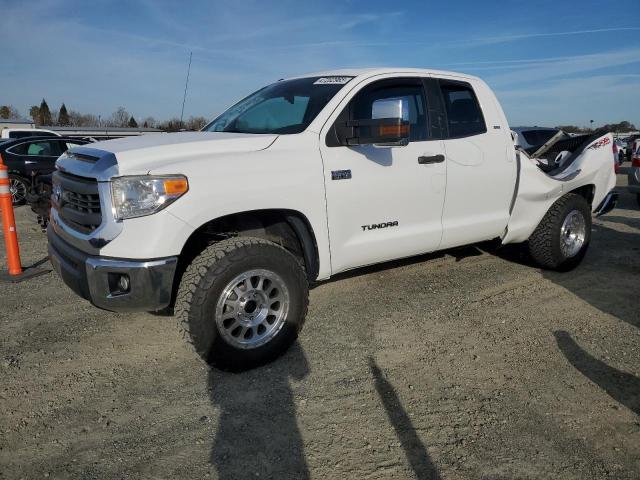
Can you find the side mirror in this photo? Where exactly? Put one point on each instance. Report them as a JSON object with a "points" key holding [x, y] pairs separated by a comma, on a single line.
{"points": [[388, 126]]}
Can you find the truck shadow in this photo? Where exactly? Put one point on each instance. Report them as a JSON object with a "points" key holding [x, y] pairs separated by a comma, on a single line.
{"points": [[608, 274], [613, 256], [413, 447], [621, 386], [257, 430], [605, 280]]}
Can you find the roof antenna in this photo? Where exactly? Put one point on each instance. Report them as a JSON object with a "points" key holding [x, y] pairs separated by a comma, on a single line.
{"points": [[184, 98]]}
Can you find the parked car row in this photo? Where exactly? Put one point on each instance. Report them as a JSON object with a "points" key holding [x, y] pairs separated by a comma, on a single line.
{"points": [[32, 156], [634, 172], [27, 132]]}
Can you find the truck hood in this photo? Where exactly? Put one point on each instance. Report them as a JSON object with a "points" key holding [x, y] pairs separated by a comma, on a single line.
{"points": [[211, 141], [139, 155]]}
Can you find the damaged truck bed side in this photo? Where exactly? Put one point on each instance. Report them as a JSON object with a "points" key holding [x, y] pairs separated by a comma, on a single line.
{"points": [[562, 165]]}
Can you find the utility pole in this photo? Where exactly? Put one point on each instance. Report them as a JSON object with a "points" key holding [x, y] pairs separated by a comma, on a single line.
{"points": [[186, 84]]}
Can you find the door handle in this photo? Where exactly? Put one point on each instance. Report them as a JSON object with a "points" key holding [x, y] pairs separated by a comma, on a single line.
{"points": [[425, 159]]}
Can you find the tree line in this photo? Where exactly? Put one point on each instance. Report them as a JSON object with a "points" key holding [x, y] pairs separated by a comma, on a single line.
{"points": [[620, 127], [42, 116]]}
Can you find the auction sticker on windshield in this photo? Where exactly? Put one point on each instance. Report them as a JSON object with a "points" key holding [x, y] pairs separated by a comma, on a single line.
{"points": [[332, 80]]}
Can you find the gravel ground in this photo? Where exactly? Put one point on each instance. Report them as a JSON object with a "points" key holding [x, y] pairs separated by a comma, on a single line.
{"points": [[461, 365]]}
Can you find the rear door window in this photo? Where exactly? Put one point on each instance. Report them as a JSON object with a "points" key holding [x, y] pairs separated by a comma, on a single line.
{"points": [[64, 145], [41, 148], [464, 115]]}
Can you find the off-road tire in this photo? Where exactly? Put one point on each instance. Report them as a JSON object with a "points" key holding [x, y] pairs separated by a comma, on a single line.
{"points": [[203, 283], [544, 243]]}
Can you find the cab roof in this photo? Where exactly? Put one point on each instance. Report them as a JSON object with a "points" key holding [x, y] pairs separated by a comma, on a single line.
{"points": [[369, 72]]}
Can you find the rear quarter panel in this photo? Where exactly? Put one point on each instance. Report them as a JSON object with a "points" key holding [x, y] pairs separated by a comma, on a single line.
{"points": [[538, 191]]}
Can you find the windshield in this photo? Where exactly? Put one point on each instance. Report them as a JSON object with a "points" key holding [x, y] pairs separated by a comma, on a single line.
{"points": [[285, 107]]}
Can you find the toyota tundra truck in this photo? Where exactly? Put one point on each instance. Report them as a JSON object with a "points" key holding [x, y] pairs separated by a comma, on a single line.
{"points": [[301, 180]]}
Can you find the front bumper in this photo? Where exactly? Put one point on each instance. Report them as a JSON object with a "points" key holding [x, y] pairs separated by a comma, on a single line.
{"points": [[97, 278]]}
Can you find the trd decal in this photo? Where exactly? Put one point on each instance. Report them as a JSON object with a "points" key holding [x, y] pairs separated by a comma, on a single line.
{"points": [[600, 143], [376, 226]]}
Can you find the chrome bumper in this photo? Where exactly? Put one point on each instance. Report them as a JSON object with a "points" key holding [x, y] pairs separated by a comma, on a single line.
{"points": [[97, 279], [608, 204]]}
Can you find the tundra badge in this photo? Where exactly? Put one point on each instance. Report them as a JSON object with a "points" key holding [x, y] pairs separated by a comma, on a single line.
{"points": [[340, 174]]}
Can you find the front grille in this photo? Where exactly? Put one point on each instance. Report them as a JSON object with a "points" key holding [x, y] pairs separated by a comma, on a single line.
{"points": [[77, 201], [88, 203]]}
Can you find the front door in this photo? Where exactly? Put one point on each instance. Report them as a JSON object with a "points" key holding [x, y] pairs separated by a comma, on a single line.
{"points": [[384, 202]]}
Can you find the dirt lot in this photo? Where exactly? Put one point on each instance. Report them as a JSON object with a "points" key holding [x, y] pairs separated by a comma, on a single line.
{"points": [[467, 364]]}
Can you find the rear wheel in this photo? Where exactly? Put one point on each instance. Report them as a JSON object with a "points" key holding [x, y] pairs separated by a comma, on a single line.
{"points": [[18, 187], [561, 239], [242, 302]]}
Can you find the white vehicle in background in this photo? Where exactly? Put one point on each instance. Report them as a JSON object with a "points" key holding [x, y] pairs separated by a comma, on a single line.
{"points": [[304, 179], [622, 150], [27, 132]]}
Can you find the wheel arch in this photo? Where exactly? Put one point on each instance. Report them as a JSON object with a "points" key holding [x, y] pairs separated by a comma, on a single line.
{"points": [[588, 192], [289, 228]]}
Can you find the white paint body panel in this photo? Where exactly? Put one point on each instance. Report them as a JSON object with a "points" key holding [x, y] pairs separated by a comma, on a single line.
{"points": [[463, 200]]}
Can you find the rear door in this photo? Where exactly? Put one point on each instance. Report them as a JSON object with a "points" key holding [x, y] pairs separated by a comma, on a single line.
{"points": [[481, 171], [383, 202]]}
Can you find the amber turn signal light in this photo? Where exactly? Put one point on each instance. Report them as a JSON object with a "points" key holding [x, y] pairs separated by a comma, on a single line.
{"points": [[394, 130], [176, 186]]}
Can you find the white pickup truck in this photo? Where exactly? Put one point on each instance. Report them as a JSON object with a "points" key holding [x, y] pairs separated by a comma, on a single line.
{"points": [[301, 180]]}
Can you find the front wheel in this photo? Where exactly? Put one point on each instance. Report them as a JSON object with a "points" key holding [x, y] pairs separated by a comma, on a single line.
{"points": [[242, 302], [561, 239], [18, 187]]}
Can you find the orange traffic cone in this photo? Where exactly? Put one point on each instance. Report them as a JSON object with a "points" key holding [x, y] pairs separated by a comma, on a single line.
{"points": [[9, 223], [16, 274]]}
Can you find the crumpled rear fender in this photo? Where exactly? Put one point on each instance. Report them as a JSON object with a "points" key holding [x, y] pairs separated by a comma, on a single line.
{"points": [[537, 191]]}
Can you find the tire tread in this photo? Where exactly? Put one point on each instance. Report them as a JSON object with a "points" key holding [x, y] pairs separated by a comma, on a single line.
{"points": [[541, 243], [201, 274]]}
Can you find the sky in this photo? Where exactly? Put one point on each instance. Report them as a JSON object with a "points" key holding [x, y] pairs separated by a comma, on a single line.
{"points": [[549, 62]]}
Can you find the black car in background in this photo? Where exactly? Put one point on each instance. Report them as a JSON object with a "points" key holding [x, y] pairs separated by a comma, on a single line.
{"points": [[30, 157]]}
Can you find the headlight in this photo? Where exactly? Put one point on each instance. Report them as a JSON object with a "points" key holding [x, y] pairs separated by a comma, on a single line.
{"points": [[146, 194]]}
